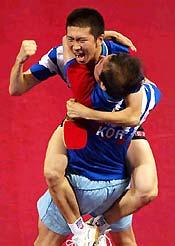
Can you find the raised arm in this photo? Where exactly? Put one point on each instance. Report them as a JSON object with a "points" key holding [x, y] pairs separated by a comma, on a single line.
{"points": [[120, 38], [130, 116], [21, 82]]}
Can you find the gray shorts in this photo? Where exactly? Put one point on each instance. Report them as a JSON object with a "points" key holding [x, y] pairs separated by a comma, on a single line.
{"points": [[94, 197]]}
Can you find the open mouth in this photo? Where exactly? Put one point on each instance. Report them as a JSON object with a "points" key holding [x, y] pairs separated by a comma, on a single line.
{"points": [[80, 57]]}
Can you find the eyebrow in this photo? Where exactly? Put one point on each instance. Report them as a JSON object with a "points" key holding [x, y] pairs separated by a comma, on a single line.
{"points": [[77, 37]]}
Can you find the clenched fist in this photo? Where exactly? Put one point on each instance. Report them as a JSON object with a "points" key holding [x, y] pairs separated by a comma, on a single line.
{"points": [[28, 48]]}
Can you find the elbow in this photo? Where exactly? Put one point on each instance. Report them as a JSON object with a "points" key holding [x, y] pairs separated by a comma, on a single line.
{"points": [[134, 121], [14, 92]]}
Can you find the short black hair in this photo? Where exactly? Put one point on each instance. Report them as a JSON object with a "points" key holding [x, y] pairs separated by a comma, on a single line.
{"points": [[87, 17], [122, 75]]}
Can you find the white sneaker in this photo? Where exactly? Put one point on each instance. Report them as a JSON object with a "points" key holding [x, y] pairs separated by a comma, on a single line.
{"points": [[103, 240], [88, 238]]}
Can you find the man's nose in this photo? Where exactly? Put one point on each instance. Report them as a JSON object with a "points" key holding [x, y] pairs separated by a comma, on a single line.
{"points": [[76, 46]]}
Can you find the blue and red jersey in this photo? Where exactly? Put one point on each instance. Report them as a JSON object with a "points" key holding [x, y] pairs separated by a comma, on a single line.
{"points": [[52, 63], [104, 156]]}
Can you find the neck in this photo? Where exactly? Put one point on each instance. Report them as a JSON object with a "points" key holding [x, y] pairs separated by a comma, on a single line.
{"points": [[92, 63], [98, 53]]}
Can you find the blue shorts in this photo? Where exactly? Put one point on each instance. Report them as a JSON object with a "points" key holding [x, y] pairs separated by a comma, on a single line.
{"points": [[94, 197]]}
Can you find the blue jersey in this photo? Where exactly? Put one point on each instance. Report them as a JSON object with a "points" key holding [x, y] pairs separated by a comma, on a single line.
{"points": [[53, 63], [104, 156]]}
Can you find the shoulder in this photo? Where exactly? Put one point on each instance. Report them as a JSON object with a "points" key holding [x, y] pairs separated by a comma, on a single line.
{"points": [[114, 47], [55, 52]]}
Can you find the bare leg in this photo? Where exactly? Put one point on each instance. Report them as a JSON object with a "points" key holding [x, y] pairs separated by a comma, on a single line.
{"points": [[124, 238], [54, 171], [47, 237], [144, 176]]}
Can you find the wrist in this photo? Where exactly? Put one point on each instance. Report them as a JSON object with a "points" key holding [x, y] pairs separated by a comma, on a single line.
{"points": [[90, 114], [93, 114], [19, 60]]}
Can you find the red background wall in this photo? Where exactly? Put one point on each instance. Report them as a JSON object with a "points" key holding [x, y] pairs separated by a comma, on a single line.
{"points": [[27, 122]]}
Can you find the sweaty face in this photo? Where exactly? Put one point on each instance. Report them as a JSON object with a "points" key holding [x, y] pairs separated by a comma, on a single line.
{"points": [[83, 44]]}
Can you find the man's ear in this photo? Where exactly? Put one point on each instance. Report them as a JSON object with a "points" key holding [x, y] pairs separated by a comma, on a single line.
{"points": [[102, 86], [100, 39]]}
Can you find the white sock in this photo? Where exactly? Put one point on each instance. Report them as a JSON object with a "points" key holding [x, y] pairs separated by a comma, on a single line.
{"points": [[101, 223], [78, 227]]}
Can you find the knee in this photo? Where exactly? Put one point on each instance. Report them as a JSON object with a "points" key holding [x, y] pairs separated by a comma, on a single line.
{"points": [[124, 238], [36, 243], [148, 196], [51, 176], [54, 169], [127, 241]]}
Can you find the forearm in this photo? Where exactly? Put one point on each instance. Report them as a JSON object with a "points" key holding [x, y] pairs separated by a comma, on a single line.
{"points": [[120, 38], [16, 86], [111, 34], [21, 82], [130, 116], [124, 117]]}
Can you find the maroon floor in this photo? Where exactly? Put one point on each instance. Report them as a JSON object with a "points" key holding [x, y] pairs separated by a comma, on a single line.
{"points": [[27, 122]]}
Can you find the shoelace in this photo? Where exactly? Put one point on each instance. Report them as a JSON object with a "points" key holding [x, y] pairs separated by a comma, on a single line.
{"points": [[71, 242], [103, 237], [75, 241]]}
